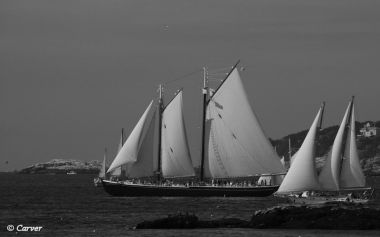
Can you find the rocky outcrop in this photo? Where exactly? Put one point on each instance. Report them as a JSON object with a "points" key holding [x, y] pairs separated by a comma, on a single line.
{"points": [[329, 216], [332, 216], [63, 166], [190, 221]]}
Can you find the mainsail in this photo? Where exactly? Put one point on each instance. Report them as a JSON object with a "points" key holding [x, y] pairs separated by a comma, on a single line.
{"points": [[130, 150], [236, 146], [351, 175], [175, 154], [302, 175]]}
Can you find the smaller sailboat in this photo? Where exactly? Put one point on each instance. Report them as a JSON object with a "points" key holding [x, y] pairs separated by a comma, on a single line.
{"points": [[102, 172], [341, 178], [118, 172]]}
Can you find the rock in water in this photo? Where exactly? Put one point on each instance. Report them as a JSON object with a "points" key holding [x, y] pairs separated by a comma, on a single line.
{"points": [[179, 221], [333, 216]]}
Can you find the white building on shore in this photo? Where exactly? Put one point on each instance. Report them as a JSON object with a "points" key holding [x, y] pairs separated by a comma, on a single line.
{"points": [[369, 130]]}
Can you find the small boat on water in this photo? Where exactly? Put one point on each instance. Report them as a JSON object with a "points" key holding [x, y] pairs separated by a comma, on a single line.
{"points": [[71, 172], [341, 178], [102, 172], [235, 151], [115, 174]]}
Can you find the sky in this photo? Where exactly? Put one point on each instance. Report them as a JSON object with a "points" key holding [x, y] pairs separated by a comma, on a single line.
{"points": [[73, 73]]}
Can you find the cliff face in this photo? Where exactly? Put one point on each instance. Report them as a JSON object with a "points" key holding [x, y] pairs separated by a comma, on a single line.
{"points": [[368, 148], [63, 166]]}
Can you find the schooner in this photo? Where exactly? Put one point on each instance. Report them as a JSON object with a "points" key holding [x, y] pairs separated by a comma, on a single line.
{"points": [[234, 146]]}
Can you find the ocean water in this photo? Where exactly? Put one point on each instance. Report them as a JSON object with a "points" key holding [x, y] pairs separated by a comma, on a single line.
{"points": [[70, 205]]}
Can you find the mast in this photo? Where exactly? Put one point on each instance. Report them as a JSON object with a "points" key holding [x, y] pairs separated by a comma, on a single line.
{"points": [[160, 106], [290, 149], [319, 127], [104, 169], [122, 136], [123, 168], [323, 109], [204, 91]]}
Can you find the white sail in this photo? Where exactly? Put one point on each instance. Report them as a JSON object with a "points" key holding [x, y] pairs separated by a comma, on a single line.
{"points": [[175, 154], [144, 166], [329, 176], [236, 146], [116, 171], [102, 173], [292, 158], [351, 175], [131, 147], [302, 175]]}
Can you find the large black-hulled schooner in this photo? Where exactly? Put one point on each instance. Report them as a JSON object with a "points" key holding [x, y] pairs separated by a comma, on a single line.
{"points": [[234, 146]]}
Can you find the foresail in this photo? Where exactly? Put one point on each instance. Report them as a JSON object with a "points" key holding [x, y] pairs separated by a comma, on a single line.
{"points": [[131, 147], [144, 166], [175, 153], [302, 175], [351, 175], [329, 176], [236, 145]]}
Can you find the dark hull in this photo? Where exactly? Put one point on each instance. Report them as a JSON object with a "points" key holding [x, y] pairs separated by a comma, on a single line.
{"points": [[133, 190]]}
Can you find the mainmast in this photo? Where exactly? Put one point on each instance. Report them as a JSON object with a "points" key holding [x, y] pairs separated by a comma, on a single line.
{"points": [[160, 106], [204, 91]]}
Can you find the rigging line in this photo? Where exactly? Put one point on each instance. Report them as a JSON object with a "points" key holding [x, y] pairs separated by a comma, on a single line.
{"points": [[220, 69], [183, 77]]}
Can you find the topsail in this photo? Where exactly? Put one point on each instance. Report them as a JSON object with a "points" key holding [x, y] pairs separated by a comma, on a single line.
{"points": [[236, 146]]}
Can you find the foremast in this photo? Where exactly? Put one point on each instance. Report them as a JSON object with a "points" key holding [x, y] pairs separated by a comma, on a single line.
{"points": [[160, 109]]}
